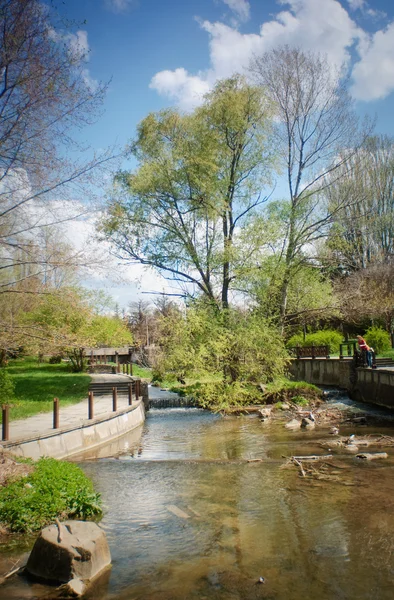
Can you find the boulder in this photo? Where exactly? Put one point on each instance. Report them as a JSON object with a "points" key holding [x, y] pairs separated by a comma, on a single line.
{"points": [[307, 423], [72, 552], [293, 424]]}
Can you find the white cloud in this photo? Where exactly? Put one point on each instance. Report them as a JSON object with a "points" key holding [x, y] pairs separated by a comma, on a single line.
{"points": [[373, 75], [119, 6], [323, 26], [241, 8], [355, 4], [78, 44], [185, 89]]}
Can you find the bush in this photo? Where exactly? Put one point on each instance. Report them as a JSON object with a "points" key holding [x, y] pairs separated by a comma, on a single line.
{"points": [[54, 489], [325, 337], [378, 338], [56, 359]]}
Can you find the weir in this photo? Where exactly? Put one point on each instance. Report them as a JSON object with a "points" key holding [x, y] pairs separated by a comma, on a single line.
{"points": [[375, 386]]}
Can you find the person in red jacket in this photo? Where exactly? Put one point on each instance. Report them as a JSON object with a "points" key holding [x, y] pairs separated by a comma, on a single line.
{"points": [[365, 350]]}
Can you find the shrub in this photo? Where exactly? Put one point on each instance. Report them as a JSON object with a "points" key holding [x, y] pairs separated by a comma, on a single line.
{"points": [[56, 359], [325, 337], [378, 338], [54, 489]]}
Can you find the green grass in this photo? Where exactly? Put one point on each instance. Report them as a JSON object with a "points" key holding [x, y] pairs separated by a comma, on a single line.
{"points": [[142, 372], [36, 386]]}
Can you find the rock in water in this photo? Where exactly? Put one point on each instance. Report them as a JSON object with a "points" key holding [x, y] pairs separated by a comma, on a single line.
{"points": [[294, 424], [72, 552]]}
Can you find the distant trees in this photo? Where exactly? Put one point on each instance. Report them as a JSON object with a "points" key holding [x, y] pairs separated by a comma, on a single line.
{"points": [[45, 95]]}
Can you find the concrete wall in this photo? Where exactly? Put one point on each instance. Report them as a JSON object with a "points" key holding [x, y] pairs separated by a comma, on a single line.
{"points": [[72, 441], [375, 386]]}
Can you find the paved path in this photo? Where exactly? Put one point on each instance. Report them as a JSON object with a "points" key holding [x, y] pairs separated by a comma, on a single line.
{"points": [[70, 416]]}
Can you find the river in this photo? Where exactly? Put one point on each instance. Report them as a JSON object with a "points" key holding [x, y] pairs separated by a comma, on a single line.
{"points": [[188, 517]]}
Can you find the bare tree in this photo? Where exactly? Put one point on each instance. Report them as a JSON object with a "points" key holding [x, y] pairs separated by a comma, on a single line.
{"points": [[317, 133], [363, 233], [45, 93]]}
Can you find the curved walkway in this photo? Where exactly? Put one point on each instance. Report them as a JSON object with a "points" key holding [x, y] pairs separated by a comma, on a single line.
{"points": [[75, 415]]}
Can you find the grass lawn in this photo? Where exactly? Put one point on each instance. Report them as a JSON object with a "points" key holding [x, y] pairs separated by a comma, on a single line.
{"points": [[37, 385], [142, 372]]}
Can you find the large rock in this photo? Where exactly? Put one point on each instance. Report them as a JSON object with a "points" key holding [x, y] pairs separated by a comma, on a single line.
{"points": [[70, 552], [294, 424]]}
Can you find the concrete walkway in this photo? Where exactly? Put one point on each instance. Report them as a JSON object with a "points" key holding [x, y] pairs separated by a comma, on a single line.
{"points": [[69, 416]]}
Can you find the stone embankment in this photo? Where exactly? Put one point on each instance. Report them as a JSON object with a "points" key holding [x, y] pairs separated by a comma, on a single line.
{"points": [[375, 386]]}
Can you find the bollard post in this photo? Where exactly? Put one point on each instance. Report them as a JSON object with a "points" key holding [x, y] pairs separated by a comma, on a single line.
{"points": [[124, 368], [131, 368], [56, 413], [91, 406], [114, 399], [6, 422], [130, 394], [118, 368], [137, 389], [127, 368]]}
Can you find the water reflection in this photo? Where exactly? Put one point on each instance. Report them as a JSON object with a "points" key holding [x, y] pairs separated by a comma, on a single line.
{"points": [[188, 517]]}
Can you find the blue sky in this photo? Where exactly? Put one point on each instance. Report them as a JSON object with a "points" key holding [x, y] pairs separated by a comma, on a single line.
{"points": [[169, 52], [165, 52]]}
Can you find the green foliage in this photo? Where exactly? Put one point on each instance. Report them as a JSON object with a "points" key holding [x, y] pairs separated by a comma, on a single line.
{"points": [[378, 339], [219, 395], [68, 321], [56, 359], [300, 400], [198, 178], [6, 386], [234, 348], [325, 337], [54, 489]]}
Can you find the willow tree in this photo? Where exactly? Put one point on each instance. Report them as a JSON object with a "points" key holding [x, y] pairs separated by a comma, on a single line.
{"points": [[199, 179], [317, 134]]}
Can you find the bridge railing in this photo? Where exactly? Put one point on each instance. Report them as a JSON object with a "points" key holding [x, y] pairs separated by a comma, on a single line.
{"points": [[312, 351]]}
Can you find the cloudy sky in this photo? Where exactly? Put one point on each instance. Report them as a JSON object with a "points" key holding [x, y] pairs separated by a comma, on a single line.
{"points": [[164, 52]]}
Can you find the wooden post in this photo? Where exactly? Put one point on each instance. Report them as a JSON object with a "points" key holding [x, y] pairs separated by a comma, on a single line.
{"points": [[313, 351], [6, 422], [56, 413], [124, 368], [130, 394], [131, 368], [127, 368], [114, 399], [137, 389], [91, 406]]}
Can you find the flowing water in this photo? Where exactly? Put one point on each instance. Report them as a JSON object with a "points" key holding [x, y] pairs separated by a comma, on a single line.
{"points": [[187, 516]]}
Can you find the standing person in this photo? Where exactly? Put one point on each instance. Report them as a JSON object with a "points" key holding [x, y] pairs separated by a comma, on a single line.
{"points": [[365, 350]]}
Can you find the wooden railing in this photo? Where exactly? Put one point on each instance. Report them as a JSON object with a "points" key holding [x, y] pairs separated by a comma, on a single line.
{"points": [[310, 351]]}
